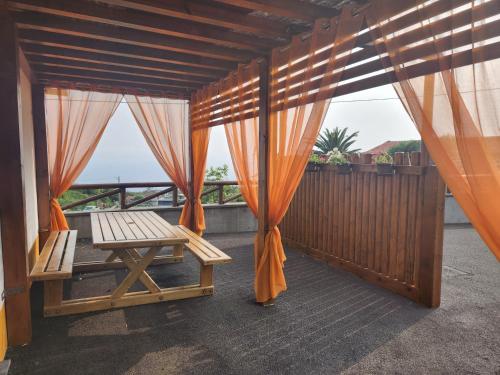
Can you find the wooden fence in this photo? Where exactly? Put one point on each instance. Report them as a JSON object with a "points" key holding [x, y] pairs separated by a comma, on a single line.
{"points": [[120, 189], [387, 229]]}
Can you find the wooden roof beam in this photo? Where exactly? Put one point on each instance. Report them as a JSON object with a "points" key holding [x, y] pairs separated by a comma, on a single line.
{"points": [[63, 25], [295, 9], [210, 15], [88, 11], [119, 61], [119, 49], [113, 76], [40, 60], [91, 84]]}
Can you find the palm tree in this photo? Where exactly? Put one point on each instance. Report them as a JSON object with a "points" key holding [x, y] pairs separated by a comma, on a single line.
{"points": [[336, 138]]}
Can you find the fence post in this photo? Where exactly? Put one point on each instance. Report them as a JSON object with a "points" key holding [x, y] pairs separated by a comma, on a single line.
{"points": [[431, 239], [175, 197], [220, 192], [123, 198]]}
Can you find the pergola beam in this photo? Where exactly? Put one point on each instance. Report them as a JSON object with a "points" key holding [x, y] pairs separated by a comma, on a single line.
{"points": [[87, 11], [119, 49], [103, 85], [97, 57], [39, 60], [210, 15], [118, 34], [299, 10]]}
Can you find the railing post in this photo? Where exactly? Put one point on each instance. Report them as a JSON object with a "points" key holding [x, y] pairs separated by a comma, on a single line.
{"points": [[175, 197], [431, 240], [221, 193], [123, 198]]}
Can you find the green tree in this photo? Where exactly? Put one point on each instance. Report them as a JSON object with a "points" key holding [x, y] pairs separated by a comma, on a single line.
{"points": [[336, 138], [219, 174], [405, 146]]}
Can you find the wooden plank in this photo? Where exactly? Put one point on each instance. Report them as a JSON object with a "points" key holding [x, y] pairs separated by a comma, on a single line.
{"points": [[44, 258], [131, 257], [206, 275], [263, 157], [127, 232], [58, 252], [143, 225], [96, 227], [162, 225], [107, 233], [41, 162], [102, 266], [134, 275], [69, 253], [82, 305], [204, 250], [12, 205], [129, 221], [115, 227], [142, 22]]}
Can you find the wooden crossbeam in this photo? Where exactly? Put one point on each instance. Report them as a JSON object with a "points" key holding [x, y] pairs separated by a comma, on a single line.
{"points": [[211, 15], [88, 11], [119, 49], [299, 10], [111, 76], [38, 60], [87, 29], [96, 57]]}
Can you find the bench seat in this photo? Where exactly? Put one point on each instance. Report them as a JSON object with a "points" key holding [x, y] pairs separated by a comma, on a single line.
{"points": [[56, 259], [206, 253]]}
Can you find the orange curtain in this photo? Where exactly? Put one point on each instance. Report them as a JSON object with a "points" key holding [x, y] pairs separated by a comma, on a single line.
{"points": [[75, 122], [457, 110], [164, 124], [293, 129], [242, 133]]}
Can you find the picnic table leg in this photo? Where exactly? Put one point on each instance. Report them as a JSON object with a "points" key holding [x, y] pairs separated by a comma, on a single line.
{"points": [[131, 257], [52, 294], [178, 250], [206, 275], [135, 273]]}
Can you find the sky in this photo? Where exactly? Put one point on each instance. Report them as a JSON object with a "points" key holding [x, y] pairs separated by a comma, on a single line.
{"points": [[123, 155]]}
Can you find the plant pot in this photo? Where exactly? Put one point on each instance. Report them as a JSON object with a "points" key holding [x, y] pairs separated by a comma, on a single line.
{"points": [[343, 168], [385, 169]]}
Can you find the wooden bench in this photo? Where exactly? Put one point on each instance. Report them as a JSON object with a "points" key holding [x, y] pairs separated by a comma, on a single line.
{"points": [[206, 253], [55, 264]]}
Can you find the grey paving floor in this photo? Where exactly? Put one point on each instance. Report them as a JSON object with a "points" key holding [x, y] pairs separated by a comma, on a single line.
{"points": [[328, 322]]}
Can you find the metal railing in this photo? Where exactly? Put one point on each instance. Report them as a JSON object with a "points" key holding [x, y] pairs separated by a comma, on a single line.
{"points": [[211, 188]]}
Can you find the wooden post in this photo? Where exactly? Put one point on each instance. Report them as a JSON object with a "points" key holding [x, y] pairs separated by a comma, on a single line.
{"points": [[41, 162], [123, 198], [262, 217], [175, 197], [220, 193], [431, 239], [13, 221], [190, 196]]}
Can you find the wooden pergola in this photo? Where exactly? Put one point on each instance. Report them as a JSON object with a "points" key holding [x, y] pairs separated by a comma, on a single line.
{"points": [[157, 48]]}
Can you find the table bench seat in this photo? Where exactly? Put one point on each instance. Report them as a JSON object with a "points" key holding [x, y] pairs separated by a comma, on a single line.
{"points": [[204, 251], [56, 259]]}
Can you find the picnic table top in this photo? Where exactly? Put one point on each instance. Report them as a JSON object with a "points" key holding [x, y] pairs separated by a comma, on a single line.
{"points": [[127, 229]]}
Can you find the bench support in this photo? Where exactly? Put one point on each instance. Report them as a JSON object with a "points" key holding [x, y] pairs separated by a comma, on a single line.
{"points": [[206, 275]]}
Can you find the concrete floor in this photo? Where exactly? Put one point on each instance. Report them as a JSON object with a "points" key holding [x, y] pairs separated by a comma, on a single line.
{"points": [[328, 322]]}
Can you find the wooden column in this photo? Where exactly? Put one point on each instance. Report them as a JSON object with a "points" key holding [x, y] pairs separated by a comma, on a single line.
{"points": [[41, 162], [13, 223], [262, 217], [191, 170]]}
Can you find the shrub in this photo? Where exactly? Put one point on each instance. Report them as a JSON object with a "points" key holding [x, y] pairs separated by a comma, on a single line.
{"points": [[335, 157], [383, 158]]}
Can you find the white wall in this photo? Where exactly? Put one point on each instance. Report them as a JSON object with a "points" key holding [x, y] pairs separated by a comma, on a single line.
{"points": [[28, 156]]}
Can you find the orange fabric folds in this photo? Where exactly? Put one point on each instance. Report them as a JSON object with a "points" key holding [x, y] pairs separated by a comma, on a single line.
{"points": [[242, 132], [75, 123], [164, 124], [295, 120], [457, 110]]}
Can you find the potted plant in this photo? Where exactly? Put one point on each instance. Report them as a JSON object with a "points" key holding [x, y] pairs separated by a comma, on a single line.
{"points": [[384, 163], [339, 160], [316, 161]]}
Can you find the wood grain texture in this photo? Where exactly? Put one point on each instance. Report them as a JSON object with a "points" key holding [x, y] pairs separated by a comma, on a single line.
{"points": [[384, 228]]}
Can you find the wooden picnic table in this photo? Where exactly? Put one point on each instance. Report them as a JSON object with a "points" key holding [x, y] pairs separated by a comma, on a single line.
{"points": [[125, 233]]}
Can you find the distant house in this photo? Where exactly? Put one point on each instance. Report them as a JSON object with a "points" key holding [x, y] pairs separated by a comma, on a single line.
{"points": [[383, 147]]}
